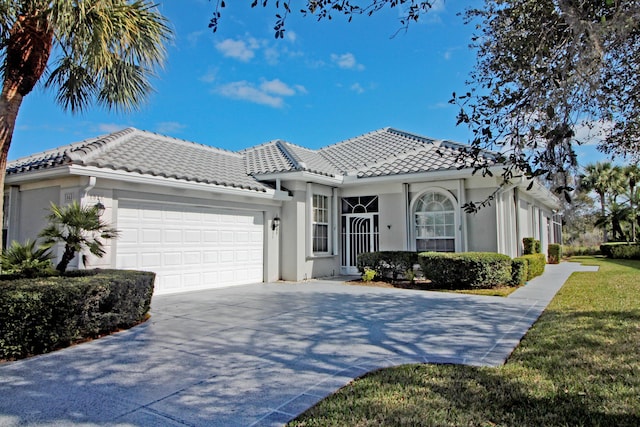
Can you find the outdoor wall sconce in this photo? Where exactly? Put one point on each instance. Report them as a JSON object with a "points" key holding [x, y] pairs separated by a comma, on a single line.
{"points": [[275, 223], [99, 207]]}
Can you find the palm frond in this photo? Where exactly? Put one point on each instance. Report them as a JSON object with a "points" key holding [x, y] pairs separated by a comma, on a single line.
{"points": [[110, 49]]}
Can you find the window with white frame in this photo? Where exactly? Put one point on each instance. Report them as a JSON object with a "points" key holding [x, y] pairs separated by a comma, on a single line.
{"points": [[320, 223], [435, 223]]}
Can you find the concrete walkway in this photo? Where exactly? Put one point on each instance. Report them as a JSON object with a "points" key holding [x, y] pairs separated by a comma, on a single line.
{"points": [[262, 354]]}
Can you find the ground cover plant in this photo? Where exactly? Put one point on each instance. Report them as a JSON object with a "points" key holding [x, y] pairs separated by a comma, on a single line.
{"points": [[578, 365]]}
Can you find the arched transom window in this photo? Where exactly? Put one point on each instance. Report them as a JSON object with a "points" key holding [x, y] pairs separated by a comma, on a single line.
{"points": [[435, 223]]}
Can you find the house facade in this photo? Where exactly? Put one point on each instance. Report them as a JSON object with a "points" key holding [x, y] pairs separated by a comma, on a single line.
{"points": [[201, 217]]}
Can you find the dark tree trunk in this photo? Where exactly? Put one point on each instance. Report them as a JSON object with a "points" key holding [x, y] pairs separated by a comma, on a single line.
{"points": [[26, 56], [68, 255]]}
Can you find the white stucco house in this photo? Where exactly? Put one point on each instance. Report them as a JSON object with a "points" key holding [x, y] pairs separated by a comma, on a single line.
{"points": [[202, 217]]}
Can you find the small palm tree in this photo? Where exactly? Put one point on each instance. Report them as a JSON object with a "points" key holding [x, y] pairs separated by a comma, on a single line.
{"points": [[26, 259], [79, 227]]}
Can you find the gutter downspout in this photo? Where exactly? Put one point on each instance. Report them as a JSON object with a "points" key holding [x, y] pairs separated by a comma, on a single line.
{"points": [[92, 184]]}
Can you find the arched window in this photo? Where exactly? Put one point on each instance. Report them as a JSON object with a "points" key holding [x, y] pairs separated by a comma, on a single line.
{"points": [[435, 222]]}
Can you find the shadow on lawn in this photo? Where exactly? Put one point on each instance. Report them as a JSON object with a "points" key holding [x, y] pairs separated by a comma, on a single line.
{"points": [[459, 395], [573, 368]]}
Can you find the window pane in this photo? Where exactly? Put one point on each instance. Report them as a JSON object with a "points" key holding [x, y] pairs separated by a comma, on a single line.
{"points": [[320, 238], [435, 223]]}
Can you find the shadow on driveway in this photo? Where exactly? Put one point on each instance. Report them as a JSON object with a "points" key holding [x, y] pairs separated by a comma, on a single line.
{"points": [[256, 354]]}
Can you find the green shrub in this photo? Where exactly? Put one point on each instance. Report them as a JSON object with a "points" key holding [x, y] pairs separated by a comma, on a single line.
{"points": [[531, 246], [466, 270], [368, 274], [388, 264], [621, 250], [570, 250], [42, 314], [535, 264], [26, 260], [519, 271], [554, 253]]}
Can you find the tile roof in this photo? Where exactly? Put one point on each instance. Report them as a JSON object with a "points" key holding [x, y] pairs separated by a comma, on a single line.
{"points": [[147, 153], [281, 156], [384, 152], [438, 156], [373, 147]]}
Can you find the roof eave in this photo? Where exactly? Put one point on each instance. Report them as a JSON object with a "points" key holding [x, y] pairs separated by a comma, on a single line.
{"points": [[137, 178], [37, 175], [304, 176], [412, 176]]}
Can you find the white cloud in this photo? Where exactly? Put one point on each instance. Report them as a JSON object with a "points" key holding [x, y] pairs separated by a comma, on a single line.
{"points": [[269, 92], [168, 128], [277, 87], [238, 49], [592, 133], [347, 61], [246, 91], [357, 88]]}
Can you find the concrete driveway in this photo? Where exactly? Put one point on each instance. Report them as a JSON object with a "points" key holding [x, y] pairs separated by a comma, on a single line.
{"points": [[261, 354]]}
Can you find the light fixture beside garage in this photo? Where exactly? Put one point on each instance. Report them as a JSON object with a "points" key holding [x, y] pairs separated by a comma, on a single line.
{"points": [[275, 224], [100, 207]]}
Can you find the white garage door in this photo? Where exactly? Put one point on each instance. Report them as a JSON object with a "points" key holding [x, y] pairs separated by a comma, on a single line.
{"points": [[190, 247]]}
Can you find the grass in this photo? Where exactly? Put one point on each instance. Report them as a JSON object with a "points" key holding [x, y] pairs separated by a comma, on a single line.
{"points": [[578, 366]]}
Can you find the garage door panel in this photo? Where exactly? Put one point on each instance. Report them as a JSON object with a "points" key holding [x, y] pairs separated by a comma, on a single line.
{"points": [[172, 236], [190, 247], [172, 258], [127, 261], [153, 235], [151, 260], [210, 236]]}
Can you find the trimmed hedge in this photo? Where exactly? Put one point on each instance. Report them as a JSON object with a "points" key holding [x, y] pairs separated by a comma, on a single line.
{"points": [[621, 250], [531, 246], [554, 253], [535, 264], [42, 314], [466, 270], [388, 264], [519, 272]]}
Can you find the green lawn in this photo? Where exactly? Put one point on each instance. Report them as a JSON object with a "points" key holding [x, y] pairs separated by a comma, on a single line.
{"points": [[578, 365]]}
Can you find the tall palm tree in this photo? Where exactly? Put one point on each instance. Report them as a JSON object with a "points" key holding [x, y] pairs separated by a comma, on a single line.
{"points": [[603, 179], [632, 179], [98, 51]]}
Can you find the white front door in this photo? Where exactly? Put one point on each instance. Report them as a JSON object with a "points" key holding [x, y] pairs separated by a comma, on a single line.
{"points": [[359, 235]]}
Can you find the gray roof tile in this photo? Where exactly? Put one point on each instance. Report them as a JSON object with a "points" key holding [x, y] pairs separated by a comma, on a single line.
{"points": [[148, 153], [422, 160], [266, 158], [384, 152], [310, 160], [371, 148]]}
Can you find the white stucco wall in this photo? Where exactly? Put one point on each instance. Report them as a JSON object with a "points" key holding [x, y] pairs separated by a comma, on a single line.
{"points": [[481, 226]]}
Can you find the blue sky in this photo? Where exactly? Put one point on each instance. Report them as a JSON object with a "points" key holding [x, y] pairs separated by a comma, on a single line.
{"points": [[325, 82]]}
